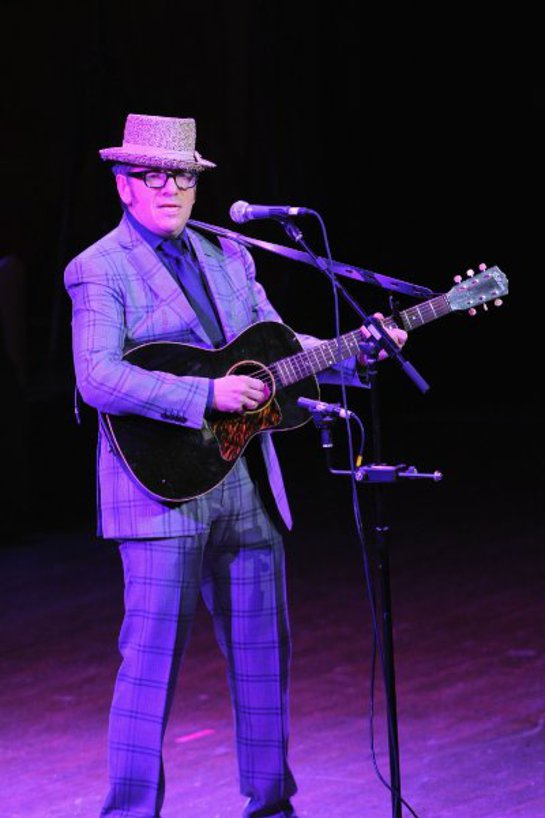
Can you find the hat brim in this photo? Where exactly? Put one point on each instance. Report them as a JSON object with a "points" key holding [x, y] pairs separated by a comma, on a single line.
{"points": [[169, 160]]}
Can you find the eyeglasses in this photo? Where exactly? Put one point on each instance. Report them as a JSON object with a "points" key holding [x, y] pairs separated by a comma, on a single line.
{"points": [[156, 179]]}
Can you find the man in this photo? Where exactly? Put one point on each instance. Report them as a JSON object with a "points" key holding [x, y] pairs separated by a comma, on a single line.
{"points": [[154, 279]]}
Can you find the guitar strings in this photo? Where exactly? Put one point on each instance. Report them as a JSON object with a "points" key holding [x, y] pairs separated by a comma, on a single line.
{"points": [[299, 363], [422, 312]]}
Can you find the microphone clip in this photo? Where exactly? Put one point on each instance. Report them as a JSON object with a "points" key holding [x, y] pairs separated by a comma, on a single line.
{"points": [[324, 415], [324, 423], [290, 228]]}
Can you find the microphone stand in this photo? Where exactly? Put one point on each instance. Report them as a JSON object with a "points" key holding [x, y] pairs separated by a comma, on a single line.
{"points": [[375, 474], [381, 530]]}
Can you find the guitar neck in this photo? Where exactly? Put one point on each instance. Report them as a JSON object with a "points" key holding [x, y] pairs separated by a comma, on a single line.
{"points": [[421, 314], [316, 359]]}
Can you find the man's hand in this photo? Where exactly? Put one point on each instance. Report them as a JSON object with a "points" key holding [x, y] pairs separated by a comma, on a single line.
{"points": [[237, 393], [397, 335]]}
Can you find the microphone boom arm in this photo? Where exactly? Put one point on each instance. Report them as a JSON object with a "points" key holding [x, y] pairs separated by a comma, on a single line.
{"points": [[339, 268]]}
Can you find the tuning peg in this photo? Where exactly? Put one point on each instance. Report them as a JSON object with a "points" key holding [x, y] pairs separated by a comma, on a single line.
{"points": [[472, 311], [498, 302], [483, 267], [470, 273], [457, 279]]}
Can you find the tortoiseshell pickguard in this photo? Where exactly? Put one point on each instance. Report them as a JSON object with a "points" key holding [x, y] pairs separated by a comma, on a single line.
{"points": [[234, 432]]}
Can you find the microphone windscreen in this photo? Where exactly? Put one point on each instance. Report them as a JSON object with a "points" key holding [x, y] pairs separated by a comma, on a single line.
{"points": [[237, 212]]}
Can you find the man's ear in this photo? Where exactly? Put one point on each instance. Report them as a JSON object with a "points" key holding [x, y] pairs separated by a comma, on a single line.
{"points": [[123, 188]]}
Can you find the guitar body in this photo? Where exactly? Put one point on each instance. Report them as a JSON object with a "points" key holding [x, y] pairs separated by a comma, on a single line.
{"points": [[173, 463]]}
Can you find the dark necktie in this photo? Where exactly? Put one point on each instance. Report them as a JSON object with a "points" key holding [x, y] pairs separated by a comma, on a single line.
{"points": [[186, 271]]}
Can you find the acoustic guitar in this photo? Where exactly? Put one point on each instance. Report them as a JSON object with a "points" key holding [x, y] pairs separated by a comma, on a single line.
{"points": [[173, 463]]}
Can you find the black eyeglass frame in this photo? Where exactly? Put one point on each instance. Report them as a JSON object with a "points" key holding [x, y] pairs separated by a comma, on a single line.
{"points": [[189, 175]]}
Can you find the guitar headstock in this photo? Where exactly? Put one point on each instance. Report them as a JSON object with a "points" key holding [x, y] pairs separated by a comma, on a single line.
{"points": [[490, 284]]}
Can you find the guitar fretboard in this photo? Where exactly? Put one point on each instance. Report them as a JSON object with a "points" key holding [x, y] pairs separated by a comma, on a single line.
{"points": [[422, 313], [310, 361]]}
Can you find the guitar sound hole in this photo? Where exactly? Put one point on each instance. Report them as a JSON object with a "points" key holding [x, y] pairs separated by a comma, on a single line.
{"points": [[254, 369]]}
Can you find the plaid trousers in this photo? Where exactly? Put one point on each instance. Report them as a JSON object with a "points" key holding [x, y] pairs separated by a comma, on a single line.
{"points": [[238, 564]]}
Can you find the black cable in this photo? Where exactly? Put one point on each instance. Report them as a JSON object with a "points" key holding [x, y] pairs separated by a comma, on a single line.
{"points": [[377, 643]]}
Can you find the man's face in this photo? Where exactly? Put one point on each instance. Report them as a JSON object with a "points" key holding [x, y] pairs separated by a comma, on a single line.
{"points": [[164, 211]]}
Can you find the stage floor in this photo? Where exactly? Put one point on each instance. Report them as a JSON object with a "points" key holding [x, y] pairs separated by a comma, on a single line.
{"points": [[468, 607]]}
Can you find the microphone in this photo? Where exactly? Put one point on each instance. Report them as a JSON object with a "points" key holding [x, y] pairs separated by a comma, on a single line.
{"points": [[322, 408], [241, 212]]}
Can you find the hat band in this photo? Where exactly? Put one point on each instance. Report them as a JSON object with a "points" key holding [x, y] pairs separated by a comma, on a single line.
{"points": [[153, 150]]}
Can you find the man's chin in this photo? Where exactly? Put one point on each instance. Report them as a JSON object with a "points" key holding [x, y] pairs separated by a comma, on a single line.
{"points": [[172, 227]]}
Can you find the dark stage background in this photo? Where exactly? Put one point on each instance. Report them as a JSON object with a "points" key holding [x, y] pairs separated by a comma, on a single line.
{"points": [[419, 140]]}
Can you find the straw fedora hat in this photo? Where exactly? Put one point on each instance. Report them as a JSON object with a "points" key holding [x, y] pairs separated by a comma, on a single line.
{"points": [[158, 142]]}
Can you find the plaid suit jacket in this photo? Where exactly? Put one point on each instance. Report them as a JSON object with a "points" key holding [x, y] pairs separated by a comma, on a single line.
{"points": [[123, 295]]}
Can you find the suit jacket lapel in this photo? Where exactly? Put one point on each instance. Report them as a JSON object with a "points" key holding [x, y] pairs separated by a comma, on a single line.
{"points": [[148, 265]]}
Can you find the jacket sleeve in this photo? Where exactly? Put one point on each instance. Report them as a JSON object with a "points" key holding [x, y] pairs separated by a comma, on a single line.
{"points": [[105, 380]]}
